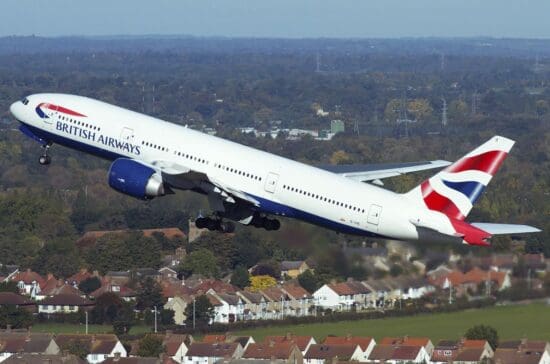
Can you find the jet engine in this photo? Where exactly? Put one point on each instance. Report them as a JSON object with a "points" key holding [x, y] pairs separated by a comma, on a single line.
{"points": [[135, 179]]}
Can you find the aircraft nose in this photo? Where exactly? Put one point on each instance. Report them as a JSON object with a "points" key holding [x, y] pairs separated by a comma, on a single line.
{"points": [[15, 109]]}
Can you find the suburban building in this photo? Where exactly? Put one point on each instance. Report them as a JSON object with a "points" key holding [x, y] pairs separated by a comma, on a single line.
{"points": [[302, 342], [293, 268], [522, 351], [178, 304], [99, 346], [399, 354], [322, 353], [255, 305], [28, 358], [287, 351], [28, 282], [300, 301], [63, 303], [210, 353], [425, 342], [365, 343], [342, 296], [12, 343], [447, 351]]}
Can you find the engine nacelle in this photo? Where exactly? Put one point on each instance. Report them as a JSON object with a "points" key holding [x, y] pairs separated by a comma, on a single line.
{"points": [[135, 179]]}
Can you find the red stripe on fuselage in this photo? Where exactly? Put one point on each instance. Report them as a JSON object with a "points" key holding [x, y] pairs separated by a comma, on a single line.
{"points": [[488, 162], [435, 201], [61, 109]]}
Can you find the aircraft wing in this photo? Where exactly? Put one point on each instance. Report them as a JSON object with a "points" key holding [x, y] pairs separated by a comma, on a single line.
{"points": [[374, 172], [182, 177]]}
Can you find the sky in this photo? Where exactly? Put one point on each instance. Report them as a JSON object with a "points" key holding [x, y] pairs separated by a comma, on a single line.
{"points": [[278, 18]]}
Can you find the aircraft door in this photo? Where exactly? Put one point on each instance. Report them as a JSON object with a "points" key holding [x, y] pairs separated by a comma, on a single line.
{"points": [[373, 217], [271, 182], [127, 135]]}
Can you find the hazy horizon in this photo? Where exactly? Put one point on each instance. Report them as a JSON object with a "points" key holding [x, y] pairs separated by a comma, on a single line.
{"points": [[281, 19]]}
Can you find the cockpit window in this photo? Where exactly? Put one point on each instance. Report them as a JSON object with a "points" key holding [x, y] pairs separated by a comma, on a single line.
{"points": [[25, 101]]}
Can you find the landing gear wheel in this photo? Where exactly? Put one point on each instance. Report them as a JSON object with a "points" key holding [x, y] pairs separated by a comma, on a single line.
{"points": [[270, 224], [44, 160], [227, 227]]}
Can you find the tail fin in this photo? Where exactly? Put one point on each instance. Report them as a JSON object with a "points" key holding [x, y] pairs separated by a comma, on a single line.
{"points": [[454, 190]]}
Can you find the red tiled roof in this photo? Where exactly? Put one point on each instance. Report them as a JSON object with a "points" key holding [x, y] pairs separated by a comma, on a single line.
{"points": [[82, 275], [342, 289], [323, 351], [173, 289], [362, 341], [274, 293], [296, 291], [107, 287], [96, 344], [407, 341], [406, 352], [300, 341], [60, 288], [66, 300], [269, 350], [469, 354], [10, 298], [214, 338], [474, 343], [28, 277], [216, 350], [215, 285]]}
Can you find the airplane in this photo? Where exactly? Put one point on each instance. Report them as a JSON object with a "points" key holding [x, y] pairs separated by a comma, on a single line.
{"points": [[152, 158]]}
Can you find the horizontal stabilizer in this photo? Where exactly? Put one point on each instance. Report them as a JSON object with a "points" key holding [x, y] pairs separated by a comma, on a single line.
{"points": [[503, 229]]}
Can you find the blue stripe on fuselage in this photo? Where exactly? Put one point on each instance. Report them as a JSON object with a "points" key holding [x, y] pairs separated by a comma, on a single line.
{"points": [[276, 208]]}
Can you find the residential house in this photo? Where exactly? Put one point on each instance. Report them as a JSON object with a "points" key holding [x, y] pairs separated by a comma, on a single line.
{"points": [[365, 343], [118, 278], [413, 287], [27, 358], [425, 342], [81, 276], [342, 296], [286, 351], [127, 294], [300, 300], [244, 341], [302, 342], [536, 263], [28, 282], [49, 283], [12, 343], [448, 351], [277, 303], [293, 268], [210, 353], [176, 346], [63, 303], [59, 287], [399, 354], [255, 305], [380, 293], [168, 274], [232, 308], [522, 351], [322, 353], [471, 281], [213, 285], [99, 346]]}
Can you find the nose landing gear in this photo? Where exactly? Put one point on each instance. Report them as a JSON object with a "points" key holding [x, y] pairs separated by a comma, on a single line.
{"points": [[45, 159]]}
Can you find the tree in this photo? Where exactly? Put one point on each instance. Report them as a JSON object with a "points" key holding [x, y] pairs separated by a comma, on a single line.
{"points": [[257, 283], [340, 157], [201, 261], [124, 320], [483, 332], [167, 317], [149, 295], [89, 285], [9, 286], [203, 310], [308, 281], [77, 348], [240, 277], [150, 346], [17, 317], [106, 308]]}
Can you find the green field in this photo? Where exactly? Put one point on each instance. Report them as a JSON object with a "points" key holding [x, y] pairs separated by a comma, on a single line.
{"points": [[511, 322], [80, 329]]}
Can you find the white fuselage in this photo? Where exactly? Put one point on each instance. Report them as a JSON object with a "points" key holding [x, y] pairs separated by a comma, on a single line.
{"points": [[283, 186]]}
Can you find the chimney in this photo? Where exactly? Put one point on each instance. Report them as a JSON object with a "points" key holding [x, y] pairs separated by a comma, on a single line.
{"points": [[49, 276], [288, 336], [93, 337], [8, 328], [28, 270], [348, 336], [95, 273], [271, 343]]}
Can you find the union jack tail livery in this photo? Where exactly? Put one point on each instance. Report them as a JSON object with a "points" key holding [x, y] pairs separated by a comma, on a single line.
{"points": [[454, 190]]}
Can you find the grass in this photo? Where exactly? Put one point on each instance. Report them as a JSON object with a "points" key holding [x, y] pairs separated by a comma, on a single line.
{"points": [[511, 322], [56, 328]]}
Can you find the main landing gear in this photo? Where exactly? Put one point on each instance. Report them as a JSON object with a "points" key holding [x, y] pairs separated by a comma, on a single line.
{"points": [[45, 159], [264, 222], [215, 224]]}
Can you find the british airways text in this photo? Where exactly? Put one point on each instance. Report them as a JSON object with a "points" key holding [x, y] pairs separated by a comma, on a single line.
{"points": [[99, 138]]}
